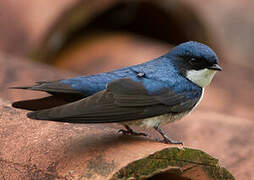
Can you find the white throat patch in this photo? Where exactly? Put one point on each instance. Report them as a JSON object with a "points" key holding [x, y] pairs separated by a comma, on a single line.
{"points": [[201, 77]]}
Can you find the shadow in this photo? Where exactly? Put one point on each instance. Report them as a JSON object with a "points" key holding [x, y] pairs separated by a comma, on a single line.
{"points": [[101, 143], [166, 176]]}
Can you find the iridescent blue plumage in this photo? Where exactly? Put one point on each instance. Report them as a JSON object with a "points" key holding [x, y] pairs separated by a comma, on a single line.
{"points": [[160, 69], [195, 49]]}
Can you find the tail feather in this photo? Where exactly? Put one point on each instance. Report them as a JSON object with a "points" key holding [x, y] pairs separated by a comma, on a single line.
{"points": [[39, 104], [20, 87]]}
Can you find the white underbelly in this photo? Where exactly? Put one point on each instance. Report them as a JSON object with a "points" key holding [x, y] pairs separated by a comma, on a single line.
{"points": [[157, 120]]}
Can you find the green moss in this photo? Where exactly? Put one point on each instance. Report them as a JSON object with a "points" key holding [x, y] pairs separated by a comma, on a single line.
{"points": [[218, 173], [173, 159]]}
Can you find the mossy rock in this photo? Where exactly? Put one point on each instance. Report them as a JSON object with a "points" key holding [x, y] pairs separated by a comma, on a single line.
{"points": [[176, 164]]}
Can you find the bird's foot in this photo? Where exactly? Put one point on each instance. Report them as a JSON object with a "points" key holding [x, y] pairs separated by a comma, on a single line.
{"points": [[167, 140], [129, 131]]}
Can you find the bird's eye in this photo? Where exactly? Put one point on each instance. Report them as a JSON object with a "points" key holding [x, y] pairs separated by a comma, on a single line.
{"points": [[193, 61]]}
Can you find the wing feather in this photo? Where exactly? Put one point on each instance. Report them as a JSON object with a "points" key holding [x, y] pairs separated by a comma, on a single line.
{"points": [[122, 100]]}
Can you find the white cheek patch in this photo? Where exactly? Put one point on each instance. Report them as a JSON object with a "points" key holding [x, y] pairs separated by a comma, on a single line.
{"points": [[201, 77]]}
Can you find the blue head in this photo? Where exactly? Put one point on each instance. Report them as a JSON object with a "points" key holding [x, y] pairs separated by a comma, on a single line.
{"points": [[196, 61]]}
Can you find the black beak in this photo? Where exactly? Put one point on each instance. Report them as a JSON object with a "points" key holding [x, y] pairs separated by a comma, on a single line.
{"points": [[215, 67]]}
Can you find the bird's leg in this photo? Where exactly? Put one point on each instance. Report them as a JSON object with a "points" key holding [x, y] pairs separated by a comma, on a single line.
{"points": [[166, 139], [129, 131]]}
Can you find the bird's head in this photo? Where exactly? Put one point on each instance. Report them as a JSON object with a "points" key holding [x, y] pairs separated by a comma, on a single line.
{"points": [[196, 61]]}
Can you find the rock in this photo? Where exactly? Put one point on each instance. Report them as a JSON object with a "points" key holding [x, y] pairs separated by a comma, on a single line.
{"points": [[49, 150]]}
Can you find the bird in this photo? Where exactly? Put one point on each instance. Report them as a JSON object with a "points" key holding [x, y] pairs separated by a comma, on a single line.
{"points": [[151, 94]]}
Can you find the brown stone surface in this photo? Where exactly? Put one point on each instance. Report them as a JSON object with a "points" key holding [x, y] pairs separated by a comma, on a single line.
{"points": [[48, 150]]}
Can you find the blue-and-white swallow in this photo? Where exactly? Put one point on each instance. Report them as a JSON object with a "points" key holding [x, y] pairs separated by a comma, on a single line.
{"points": [[151, 94]]}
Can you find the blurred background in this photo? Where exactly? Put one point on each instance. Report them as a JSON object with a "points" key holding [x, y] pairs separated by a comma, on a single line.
{"points": [[86, 37]]}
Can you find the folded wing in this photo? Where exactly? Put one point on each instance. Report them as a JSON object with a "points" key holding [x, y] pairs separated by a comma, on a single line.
{"points": [[122, 100]]}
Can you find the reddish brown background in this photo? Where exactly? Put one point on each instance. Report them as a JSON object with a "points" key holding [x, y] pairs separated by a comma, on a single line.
{"points": [[223, 123]]}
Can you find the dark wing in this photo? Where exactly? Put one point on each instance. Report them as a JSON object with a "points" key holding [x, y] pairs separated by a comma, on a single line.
{"points": [[46, 102], [123, 100], [61, 94]]}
